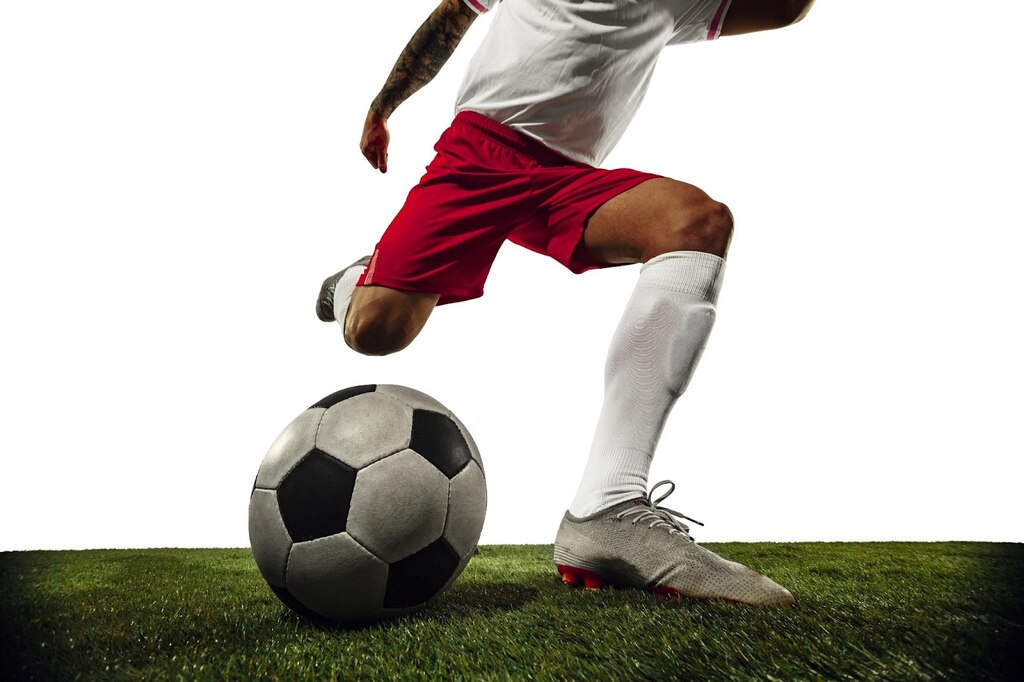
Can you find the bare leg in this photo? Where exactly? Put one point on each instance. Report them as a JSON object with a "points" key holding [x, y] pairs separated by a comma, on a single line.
{"points": [[381, 320], [655, 217]]}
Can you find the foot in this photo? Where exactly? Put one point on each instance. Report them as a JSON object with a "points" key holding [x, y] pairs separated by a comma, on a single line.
{"points": [[639, 544], [325, 301]]}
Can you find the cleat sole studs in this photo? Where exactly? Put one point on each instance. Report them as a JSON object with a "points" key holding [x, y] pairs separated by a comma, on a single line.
{"points": [[572, 575], [663, 592]]}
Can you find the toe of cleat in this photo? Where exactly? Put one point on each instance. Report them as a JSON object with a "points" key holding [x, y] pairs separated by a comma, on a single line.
{"points": [[572, 575], [325, 300]]}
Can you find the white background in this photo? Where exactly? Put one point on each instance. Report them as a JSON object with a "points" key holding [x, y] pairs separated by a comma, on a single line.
{"points": [[176, 178]]}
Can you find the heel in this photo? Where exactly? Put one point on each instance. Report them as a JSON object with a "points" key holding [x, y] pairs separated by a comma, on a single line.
{"points": [[572, 575]]}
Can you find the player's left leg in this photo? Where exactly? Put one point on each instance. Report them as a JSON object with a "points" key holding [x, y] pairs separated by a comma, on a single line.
{"points": [[748, 16], [656, 217]]}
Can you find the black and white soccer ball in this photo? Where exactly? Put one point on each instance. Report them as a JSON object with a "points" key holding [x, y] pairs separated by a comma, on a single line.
{"points": [[368, 505]]}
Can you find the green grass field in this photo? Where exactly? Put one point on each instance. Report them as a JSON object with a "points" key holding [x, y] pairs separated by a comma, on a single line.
{"points": [[884, 611]]}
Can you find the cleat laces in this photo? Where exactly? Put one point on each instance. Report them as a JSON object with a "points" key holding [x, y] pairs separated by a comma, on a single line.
{"points": [[659, 516]]}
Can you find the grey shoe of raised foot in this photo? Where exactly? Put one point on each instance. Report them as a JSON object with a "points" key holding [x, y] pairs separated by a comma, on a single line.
{"points": [[639, 544], [325, 301]]}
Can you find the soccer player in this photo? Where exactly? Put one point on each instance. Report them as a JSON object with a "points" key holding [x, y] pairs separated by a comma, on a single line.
{"points": [[547, 95]]}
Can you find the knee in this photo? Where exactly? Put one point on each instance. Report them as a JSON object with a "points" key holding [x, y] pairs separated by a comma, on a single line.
{"points": [[714, 222], [705, 227], [378, 332]]}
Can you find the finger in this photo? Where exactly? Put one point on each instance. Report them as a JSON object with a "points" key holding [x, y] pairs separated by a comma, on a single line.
{"points": [[370, 155]]}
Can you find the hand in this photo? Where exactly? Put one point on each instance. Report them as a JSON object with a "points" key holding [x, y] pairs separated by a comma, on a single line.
{"points": [[374, 143]]}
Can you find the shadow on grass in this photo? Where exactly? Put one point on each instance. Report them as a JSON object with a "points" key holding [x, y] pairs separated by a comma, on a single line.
{"points": [[460, 602]]}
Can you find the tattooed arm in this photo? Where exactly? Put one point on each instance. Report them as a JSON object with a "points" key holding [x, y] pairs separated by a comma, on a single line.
{"points": [[427, 51]]}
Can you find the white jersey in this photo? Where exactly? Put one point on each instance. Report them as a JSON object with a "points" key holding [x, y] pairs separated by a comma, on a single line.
{"points": [[572, 73]]}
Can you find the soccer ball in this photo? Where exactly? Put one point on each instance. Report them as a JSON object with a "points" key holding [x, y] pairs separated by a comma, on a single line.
{"points": [[368, 505]]}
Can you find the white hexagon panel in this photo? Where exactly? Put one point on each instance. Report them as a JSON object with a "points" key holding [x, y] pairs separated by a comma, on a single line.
{"points": [[337, 578], [416, 400], [296, 440], [268, 536], [399, 506], [467, 503], [364, 429]]}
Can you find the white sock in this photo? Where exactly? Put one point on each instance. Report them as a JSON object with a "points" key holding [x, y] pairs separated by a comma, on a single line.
{"points": [[652, 356], [343, 293]]}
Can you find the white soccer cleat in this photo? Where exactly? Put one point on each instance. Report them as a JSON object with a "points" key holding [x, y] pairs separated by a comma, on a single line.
{"points": [[639, 544]]}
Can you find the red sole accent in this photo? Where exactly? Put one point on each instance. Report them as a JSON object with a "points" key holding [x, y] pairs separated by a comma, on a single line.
{"points": [[664, 592], [572, 575]]}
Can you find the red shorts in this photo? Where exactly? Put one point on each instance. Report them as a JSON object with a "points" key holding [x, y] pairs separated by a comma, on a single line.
{"points": [[489, 183]]}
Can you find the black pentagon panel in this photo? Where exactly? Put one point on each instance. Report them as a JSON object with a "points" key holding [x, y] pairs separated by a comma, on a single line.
{"points": [[415, 579], [315, 495], [438, 440], [344, 394], [295, 605]]}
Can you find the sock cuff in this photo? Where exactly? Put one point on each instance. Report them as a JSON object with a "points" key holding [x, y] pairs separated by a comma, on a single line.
{"points": [[686, 272], [343, 289]]}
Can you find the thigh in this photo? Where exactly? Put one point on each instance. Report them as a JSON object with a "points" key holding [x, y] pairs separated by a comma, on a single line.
{"points": [[623, 229], [567, 197]]}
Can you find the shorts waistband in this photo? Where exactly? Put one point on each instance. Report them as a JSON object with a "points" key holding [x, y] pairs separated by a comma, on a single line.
{"points": [[510, 137]]}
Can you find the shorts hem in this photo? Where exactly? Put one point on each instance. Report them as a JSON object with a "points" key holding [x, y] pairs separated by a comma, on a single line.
{"points": [[577, 261], [447, 295]]}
